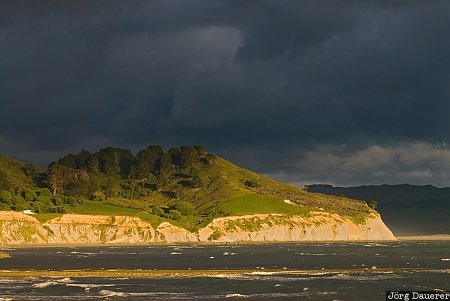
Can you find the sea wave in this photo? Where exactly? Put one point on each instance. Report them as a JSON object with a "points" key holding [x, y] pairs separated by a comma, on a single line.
{"points": [[54, 281], [88, 286], [278, 295], [296, 276], [130, 295], [235, 295]]}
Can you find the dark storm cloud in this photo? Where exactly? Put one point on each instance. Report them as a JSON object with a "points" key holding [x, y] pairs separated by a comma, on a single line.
{"points": [[273, 85]]}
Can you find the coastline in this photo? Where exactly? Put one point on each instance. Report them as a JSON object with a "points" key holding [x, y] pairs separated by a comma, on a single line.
{"points": [[432, 237], [196, 243], [119, 273]]}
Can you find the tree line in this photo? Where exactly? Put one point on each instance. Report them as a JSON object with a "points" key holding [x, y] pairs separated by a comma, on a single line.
{"points": [[117, 171]]}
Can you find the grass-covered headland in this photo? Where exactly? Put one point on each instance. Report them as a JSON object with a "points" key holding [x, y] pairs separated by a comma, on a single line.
{"points": [[186, 186]]}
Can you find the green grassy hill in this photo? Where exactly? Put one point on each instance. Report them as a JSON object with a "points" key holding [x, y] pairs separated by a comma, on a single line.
{"points": [[186, 186], [15, 174]]}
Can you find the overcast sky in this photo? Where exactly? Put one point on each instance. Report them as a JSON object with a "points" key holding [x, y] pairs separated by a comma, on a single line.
{"points": [[342, 92]]}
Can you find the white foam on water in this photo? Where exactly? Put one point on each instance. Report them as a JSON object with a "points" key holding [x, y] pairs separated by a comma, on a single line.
{"points": [[235, 295], [445, 259], [108, 293], [278, 295], [54, 281], [5, 281], [176, 253], [87, 286], [65, 280], [45, 284], [314, 254], [370, 277], [224, 276]]}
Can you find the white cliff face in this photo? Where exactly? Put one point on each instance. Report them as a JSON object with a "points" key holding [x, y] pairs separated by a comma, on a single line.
{"points": [[18, 228], [167, 232], [318, 226], [74, 228]]}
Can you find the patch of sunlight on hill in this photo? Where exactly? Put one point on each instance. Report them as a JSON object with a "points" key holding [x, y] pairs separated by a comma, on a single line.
{"points": [[254, 203], [98, 208]]}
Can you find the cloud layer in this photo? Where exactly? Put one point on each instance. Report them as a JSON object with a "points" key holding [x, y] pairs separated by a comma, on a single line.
{"points": [[277, 86]]}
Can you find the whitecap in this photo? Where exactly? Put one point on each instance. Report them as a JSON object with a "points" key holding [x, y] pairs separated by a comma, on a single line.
{"points": [[44, 284], [176, 253], [108, 293], [235, 295], [445, 259], [87, 287], [52, 282], [64, 280], [278, 295]]}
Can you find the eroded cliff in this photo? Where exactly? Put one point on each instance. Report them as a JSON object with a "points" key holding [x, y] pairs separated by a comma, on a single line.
{"points": [[19, 228]]}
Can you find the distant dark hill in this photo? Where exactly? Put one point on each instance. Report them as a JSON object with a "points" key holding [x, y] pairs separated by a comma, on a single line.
{"points": [[406, 209]]}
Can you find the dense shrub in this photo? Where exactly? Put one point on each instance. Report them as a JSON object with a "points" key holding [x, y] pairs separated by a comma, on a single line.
{"points": [[29, 195], [45, 200], [6, 197], [44, 192], [55, 209], [158, 211], [4, 183], [144, 215], [19, 203], [58, 200], [252, 183], [185, 208], [98, 196], [38, 207], [174, 214], [4, 207]]}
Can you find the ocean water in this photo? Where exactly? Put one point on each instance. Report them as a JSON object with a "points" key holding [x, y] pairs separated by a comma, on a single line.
{"points": [[303, 271]]}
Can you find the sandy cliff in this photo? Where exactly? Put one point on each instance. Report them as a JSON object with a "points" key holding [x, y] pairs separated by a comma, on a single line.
{"points": [[318, 226], [19, 228]]}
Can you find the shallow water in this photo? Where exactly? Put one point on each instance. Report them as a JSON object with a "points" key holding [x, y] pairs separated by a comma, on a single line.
{"points": [[338, 271]]}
